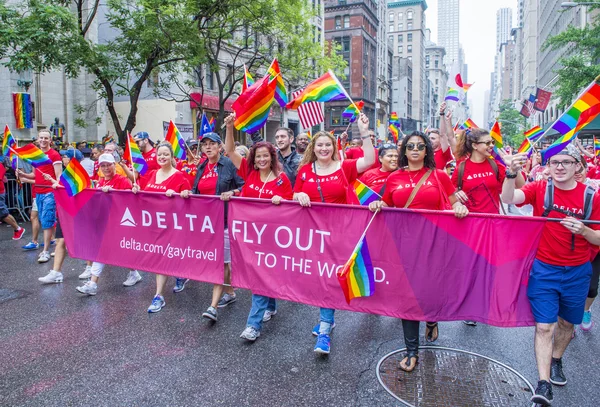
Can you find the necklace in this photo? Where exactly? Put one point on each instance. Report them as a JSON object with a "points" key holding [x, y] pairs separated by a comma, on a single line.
{"points": [[211, 169], [325, 167], [412, 181]]}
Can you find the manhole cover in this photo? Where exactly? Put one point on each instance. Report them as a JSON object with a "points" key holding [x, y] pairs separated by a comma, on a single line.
{"points": [[453, 377], [7, 295]]}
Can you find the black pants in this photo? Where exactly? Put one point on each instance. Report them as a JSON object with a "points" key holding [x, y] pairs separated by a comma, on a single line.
{"points": [[593, 293], [411, 335]]}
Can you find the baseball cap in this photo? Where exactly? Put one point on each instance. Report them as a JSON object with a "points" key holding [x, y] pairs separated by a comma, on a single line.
{"points": [[141, 135], [72, 153], [571, 151], [192, 143], [211, 136], [106, 158]]}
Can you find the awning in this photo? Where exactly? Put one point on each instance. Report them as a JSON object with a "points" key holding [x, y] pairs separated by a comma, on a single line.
{"points": [[208, 102]]}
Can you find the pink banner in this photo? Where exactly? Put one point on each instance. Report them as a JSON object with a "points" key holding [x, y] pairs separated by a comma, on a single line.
{"points": [[148, 231], [428, 265]]}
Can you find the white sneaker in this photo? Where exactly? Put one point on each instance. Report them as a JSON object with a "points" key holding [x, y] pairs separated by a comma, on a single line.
{"points": [[86, 274], [132, 279], [250, 334], [44, 257], [268, 315], [52, 277], [52, 254], [89, 288]]}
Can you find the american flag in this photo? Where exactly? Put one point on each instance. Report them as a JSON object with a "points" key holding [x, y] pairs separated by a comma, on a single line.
{"points": [[528, 109], [310, 113]]}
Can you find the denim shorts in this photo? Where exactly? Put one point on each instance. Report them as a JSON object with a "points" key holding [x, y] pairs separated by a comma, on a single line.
{"points": [[3, 209], [46, 209], [227, 252], [558, 291]]}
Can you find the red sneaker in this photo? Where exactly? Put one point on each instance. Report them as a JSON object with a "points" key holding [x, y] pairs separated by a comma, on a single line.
{"points": [[18, 234]]}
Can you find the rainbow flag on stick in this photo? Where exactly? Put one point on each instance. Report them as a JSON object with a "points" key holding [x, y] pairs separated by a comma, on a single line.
{"points": [[75, 178], [324, 89], [525, 147], [580, 114], [248, 80], [353, 111], [469, 124], [133, 154], [365, 194], [452, 95], [394, 126], [22, 110], [8, 141], [534, 133], [33, 155], [357, 278], [252, 107], [280, 93], [596, 147], [174, 138], [498, 144]]}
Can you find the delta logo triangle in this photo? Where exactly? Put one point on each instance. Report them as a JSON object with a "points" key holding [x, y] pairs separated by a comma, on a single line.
{"points": [[127, 219]]}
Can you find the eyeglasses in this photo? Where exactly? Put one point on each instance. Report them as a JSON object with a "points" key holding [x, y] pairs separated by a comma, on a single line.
{"points": [[565, 164], [487, 143], [413, 146]]}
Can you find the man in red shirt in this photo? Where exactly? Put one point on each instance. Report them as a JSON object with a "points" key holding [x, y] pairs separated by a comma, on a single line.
{"points": [[5, 216], [44, 195], [561, 273], [357, 152], [148, 151]]}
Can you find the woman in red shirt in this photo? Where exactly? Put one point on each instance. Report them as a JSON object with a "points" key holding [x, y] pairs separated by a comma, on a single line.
{"points": [[375, 178], [418, 185], [263, 178], [322, 178], [170, 181]]}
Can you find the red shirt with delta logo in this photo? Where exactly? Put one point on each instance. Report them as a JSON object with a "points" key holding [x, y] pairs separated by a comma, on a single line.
{"points": [[116, 182], [254, 187], [442, 158], [355, 153], [333, 186], [481, 185], [401, 184], [555, 243], [375, 179], [207, 184], [46, 169], [177, 182]]}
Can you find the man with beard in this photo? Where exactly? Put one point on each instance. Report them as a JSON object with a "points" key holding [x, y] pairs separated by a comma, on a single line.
{"points": [[302, 142], [287, 154]]}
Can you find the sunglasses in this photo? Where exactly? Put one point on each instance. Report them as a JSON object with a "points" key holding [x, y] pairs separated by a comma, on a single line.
{"points": [[413, 146], [388, 145], [487, 143]]}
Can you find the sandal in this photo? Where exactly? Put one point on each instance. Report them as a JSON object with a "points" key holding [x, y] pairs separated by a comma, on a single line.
{"points": [[431, 332], [410, 355]]}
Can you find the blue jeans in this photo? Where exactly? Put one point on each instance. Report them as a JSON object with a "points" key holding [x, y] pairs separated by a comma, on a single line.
{"points": [[326, 315], [260, 304]]}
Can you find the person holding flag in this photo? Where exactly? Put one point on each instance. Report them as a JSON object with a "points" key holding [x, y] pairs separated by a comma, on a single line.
{"points": [[142, 139], [375, 178], [418, 185], [322, 178], [443, 140]]}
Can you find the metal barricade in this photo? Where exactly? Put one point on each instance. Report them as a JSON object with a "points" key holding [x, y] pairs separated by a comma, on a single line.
{"points": [[17, 197]]}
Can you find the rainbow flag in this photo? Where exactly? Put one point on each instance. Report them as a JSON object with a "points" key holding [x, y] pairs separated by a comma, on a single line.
{"points": [[596, 147], [394, 117], [105, 140], [525, 147], [357, 278], [467, 86], [580, 114], [14, 160], [365, 194], [497, 137], [248, 80], [211, 123], [133, 154], [394, 128], [8, 141], [174, 138], [534, 133], [252, 107], [324, 89], [352, 112], [33, 155], [75, 178], [309, 134], [469, 124], [280, 93], [452, 95], [22, 110]]}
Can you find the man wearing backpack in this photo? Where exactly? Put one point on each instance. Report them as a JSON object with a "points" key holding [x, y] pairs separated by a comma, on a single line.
{"points": [[560, 276]]}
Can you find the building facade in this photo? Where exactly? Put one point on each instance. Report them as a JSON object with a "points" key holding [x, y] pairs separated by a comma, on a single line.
{"points": [[436, 73], [448, 29], [503, 26]]}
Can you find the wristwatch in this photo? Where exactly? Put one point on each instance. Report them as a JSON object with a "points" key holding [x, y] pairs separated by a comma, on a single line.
{"points": [[510, 175]]}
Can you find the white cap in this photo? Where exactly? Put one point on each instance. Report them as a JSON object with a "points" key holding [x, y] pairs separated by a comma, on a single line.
{"points": [[106, 158]]}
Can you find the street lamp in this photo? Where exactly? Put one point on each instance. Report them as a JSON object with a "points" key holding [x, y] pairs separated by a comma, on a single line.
{"points": [[567, 4]]}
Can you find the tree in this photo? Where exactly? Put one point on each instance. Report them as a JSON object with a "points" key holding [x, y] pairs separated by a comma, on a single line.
{"points": [[513, 124], [581, 67], [147, 35]]}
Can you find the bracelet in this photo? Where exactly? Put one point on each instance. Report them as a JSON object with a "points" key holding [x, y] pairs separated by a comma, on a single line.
{"points": [[510, 175]]}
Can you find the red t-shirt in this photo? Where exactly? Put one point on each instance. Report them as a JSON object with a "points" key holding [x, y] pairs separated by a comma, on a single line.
{"points": [[116, 182], [401, 184], [255, 188], [188, 169], [2, 173], [333, 186], [555, 244], [355, 153], [150, 158], [177, 182], [207, 185], [481, 186], [46, 169], [375, 179], [442, 158]]}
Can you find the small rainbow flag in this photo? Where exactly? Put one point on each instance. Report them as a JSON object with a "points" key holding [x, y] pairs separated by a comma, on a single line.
{"points": [[133, 154], [324, 89], [357, 278], [33, 155], [534, 133], [394, 117], [14, 160], [174, 138], [252, 107], [248, 80], [580, 114], [8, 141], [469, 124], [280, 93], [211, 123], [525, 147], [467, 86], [106, 139], [351, 112], [596, 147], [309, 134], [22, 110], [75, 178], [365, 194], [452, 95], [394, 128], [497, 137]]}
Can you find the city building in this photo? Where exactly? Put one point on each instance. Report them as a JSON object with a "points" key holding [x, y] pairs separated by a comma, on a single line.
{"points": [[503, 26], [436, 73], [402, 92], [448, 30], [384, 64]]}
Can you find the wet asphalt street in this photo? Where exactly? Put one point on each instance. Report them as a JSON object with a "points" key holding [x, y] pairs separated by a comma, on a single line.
{"points": [[59, 348]]}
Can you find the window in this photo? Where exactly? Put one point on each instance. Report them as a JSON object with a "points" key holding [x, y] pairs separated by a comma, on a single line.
{"points": [[336, 117], [209, 79], [437, 63], [410, 58], [409, 14], [390, 38], [400, 49], [346, 21], [400, 15], [437, 81], [391, 18], [409, 48], [400, 37], [391, 27], [409, 26], [346, 44], [409, 37], [400, 26], [338, 22]]}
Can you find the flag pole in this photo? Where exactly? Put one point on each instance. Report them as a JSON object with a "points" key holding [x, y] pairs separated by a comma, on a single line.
{"points": [[362, 237], [35, 168], [130, 155]]}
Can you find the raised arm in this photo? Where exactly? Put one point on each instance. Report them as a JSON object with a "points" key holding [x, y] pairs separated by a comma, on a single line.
{"points": [[444, 139], [233, 155], [363, 163]]}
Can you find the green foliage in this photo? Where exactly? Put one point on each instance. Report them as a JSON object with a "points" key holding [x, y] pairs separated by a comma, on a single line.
{"points": [[513, 124], [580, 67]]}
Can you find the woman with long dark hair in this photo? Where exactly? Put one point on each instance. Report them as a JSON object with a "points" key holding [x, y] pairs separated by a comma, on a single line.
{"points": [[418, 185]]}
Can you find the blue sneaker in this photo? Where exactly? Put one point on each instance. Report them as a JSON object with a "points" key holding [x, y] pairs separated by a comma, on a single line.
{"points": [[323, 344], [586, 325], [158, 303], [317, 327], [180, 284], [31, 246], [53, 241]]}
